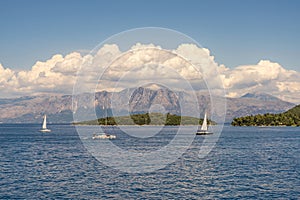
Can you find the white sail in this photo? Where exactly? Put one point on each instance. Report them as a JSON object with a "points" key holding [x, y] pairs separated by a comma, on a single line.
{"points": [[204, 124], [44, 122], [44, 126], [204, 128]]}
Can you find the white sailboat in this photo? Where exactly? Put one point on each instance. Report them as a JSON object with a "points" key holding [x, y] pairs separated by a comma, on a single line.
{"points": [[44, 126], [204, 129]]}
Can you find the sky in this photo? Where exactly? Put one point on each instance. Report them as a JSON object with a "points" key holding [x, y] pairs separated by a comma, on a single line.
{"points": [[254, 45], [236, 32]]}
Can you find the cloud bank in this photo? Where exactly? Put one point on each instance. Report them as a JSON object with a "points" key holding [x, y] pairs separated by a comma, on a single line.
{"points": [[265, 76], [112, 69]]}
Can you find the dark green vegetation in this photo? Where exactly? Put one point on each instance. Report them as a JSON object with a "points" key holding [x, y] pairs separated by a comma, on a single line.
{"points": [[288, 118], [147, 119]]}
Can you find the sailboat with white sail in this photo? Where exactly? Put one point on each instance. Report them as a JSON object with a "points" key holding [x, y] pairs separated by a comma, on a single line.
{"points": [[44, 126], [204, 128]]}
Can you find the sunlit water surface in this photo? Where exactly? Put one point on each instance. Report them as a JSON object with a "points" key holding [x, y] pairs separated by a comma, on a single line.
{"points": [[246, 163]]}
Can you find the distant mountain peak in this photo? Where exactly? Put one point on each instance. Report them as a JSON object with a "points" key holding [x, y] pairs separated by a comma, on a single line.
{"points": [[154, 86], [261, 96]]}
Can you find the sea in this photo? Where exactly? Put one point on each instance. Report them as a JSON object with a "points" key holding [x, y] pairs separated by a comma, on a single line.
{"points": [[245, 163]]}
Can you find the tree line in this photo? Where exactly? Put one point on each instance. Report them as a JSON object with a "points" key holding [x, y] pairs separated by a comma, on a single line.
{"points": [[288, 118], [147, 119]]}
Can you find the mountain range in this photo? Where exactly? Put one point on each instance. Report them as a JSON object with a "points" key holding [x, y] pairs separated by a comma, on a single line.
{"points": [[155, 98]]}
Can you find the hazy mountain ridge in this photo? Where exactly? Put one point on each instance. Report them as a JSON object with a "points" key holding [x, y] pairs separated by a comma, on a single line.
{"points": [[261, 96], [131, 101], [237, 107]]}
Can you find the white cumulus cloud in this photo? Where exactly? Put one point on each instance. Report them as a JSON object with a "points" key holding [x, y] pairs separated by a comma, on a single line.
{"points": [[265, 76], [145, 63]]}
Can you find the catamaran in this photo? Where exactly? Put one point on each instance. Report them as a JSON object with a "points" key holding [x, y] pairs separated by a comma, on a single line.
{"points": [[103, 135], [44, 127], [204, 129]]}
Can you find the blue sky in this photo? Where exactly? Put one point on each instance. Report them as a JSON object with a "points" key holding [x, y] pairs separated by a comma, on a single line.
{"points": [[236, 32]]}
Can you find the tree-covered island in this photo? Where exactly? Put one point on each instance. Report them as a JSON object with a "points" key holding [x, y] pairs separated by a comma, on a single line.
{"points": [[147, 119], [288, 118]]}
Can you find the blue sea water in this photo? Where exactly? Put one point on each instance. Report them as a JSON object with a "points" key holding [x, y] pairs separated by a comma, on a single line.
{"points": [[246, 163]]}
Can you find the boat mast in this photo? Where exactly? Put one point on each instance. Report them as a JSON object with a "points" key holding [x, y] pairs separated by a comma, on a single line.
{"points": [[105, 111]]}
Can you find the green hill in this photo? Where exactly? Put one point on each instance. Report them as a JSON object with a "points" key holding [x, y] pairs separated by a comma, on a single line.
{"points": [[146, 119], [288, 118]]}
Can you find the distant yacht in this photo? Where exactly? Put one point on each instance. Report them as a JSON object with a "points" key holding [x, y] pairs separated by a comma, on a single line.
{"points": [[103, 136], [44, 127], [204, 129]]}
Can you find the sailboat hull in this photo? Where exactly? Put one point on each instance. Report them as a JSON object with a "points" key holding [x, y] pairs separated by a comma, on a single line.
{"points": [[45, 130], [203, 133]]}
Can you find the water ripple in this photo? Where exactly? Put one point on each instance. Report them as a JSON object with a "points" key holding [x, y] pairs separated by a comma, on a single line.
{"points": [[247, 163]]}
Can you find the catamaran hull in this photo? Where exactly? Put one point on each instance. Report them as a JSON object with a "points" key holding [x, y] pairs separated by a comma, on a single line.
{"points": [[104, 137]]}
